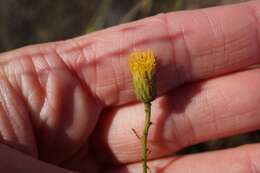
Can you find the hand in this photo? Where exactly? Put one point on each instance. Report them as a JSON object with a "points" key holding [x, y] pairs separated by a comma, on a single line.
{"points": [[71, 103]]}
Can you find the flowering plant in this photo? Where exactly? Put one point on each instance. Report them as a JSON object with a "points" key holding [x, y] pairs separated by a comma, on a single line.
{"points": [[142, 67]]}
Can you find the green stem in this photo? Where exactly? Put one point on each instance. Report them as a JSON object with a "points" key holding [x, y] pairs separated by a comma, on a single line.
{"points": [[147, 123]]}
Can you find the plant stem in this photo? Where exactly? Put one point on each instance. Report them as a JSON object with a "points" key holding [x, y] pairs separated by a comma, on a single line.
{"points": [[147, 123]]}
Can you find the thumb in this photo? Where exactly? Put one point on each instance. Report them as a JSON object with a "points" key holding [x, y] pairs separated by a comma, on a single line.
{"points": [[13, 161]]}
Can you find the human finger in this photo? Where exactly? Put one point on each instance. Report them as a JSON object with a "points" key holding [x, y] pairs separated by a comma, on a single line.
{"points": [[190, 45], [243, 159], [194, 113]]}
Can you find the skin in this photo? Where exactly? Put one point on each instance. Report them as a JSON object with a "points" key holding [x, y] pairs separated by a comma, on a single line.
{"points": [[69, 106]]}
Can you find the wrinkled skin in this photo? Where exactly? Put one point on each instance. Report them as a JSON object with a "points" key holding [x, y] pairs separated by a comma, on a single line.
{"points": [[69, 106]]}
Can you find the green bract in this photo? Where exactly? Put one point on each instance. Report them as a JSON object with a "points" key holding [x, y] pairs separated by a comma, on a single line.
{"points": [[142, 66]]}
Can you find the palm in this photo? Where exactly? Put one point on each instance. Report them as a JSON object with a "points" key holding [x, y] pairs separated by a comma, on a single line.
{"points": [[71, 103]]}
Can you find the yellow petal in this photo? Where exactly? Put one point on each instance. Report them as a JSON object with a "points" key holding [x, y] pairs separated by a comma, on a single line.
{"points": [[142, 67]]}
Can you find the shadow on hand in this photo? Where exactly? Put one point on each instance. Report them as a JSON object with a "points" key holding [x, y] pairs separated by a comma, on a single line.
{"points": [[172, 104]]}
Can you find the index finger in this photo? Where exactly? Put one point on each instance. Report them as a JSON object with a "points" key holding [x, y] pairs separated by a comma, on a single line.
{"points": [[189, 45]]}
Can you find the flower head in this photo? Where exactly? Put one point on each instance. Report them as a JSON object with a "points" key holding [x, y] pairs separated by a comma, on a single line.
{"points": [[142, 67]]}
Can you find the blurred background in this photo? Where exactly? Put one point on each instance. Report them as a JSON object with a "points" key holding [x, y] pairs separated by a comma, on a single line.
{"points": [[26, 22]]}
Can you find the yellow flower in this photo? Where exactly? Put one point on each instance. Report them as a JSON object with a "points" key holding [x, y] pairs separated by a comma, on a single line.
{"points": [[142, 67]]}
